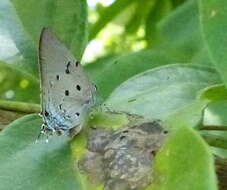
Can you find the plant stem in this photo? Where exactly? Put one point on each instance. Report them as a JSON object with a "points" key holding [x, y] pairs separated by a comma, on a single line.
{"points": [[19, 106], [221, 169], [218, 128]]}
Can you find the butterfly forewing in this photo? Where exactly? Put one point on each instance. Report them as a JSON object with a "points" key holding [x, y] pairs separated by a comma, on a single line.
{"points": [[67, 93]]}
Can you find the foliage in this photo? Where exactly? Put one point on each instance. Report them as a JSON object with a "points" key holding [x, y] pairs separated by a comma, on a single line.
{"points": [[178, 75]]}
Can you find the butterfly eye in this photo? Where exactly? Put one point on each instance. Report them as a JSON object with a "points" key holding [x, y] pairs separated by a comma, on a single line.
{"points": [[78, 114]]}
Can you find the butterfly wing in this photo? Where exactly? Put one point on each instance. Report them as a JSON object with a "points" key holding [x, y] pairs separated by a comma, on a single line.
{"points": [[67, 93]]}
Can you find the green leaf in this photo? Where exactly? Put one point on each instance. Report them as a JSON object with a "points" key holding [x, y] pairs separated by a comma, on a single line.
{"points": [[190, 115], [113, 73], [18, 48], [215, 114], [95, 67], [180, 35], [213, 93], [160, 92], [184, 162], [213, 22], [18, 85], [25, 164]]}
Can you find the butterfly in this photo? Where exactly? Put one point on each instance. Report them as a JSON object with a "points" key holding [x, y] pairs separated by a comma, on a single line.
{"points": [[67, 94]]}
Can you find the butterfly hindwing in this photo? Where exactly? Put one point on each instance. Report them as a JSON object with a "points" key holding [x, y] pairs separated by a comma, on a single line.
{"points": [[67, 93]]}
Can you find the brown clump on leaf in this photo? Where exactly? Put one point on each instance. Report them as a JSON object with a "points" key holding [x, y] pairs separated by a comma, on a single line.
{"points": [[122, 159]]}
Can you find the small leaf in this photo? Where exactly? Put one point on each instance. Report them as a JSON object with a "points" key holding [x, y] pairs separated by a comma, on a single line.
{"points": [[215, 114], [213, 93]]}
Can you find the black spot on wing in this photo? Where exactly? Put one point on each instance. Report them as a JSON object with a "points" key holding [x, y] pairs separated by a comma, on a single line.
{"points": [[57, 77], [67, 68], [66, 92], [78, 114], [122, 137], [78, 87]]}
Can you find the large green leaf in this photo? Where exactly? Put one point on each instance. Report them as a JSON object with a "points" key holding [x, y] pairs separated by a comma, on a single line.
{"points": [[213, 22], [25, 164], [162, 91], [184, 162], [117, 70]]}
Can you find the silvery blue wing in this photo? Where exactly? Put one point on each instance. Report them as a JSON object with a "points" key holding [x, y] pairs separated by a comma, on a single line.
{"points": [[67, 93]]}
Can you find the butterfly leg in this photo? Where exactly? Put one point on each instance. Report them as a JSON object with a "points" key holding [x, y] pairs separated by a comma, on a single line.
{"points": [[42, 132]]}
